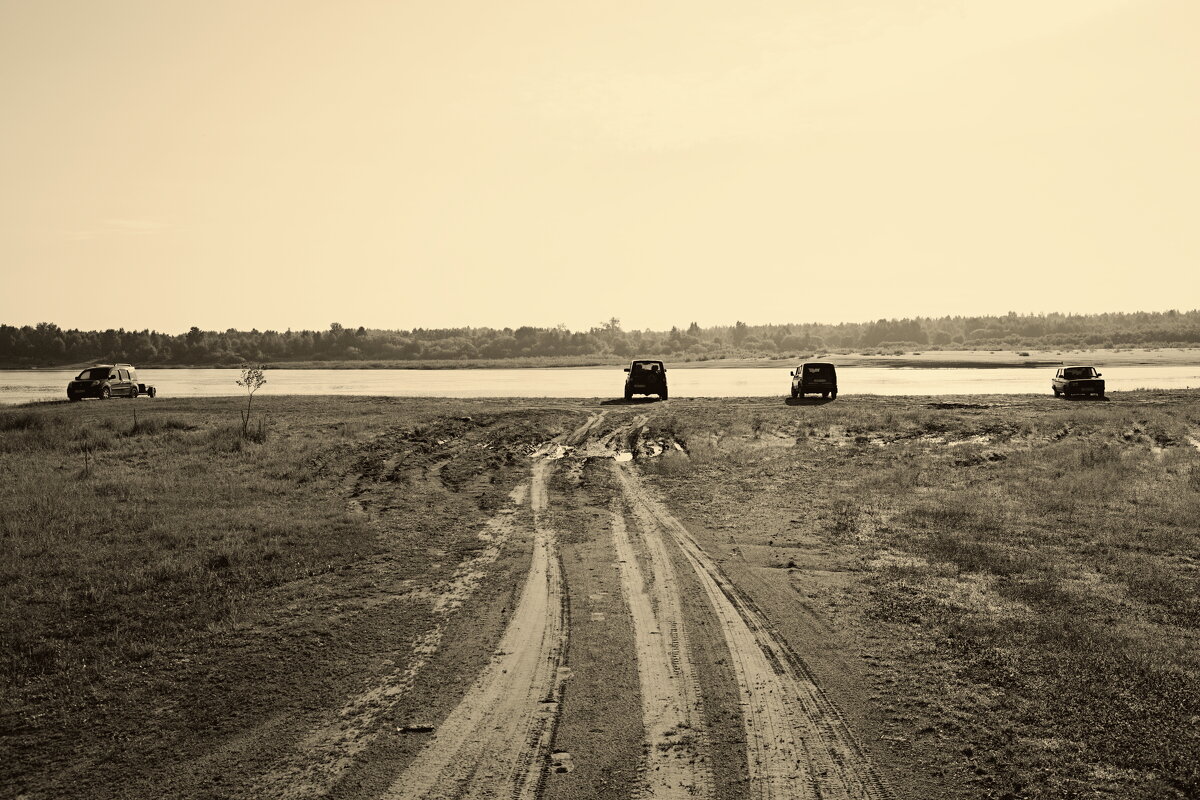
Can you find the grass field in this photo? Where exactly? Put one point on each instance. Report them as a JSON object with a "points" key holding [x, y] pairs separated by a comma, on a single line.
{"points": [[1023, 577], [166, 583], [1016, 579]]}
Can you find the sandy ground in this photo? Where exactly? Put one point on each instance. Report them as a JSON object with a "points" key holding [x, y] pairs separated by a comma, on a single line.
{"points": [[497, 741]]}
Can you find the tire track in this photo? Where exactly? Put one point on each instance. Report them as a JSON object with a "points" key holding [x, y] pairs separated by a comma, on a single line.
{"points": [[671, 709], [352, 728], [798, 745], [498, 739]]}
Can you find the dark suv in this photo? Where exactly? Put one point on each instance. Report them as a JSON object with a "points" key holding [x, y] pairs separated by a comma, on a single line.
{"points": [[812, 377], [107, 380], [1070, 381], [646, 377]]}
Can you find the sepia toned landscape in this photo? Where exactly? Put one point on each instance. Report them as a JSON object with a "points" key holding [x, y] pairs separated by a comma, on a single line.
{"points": [[786, 400]]}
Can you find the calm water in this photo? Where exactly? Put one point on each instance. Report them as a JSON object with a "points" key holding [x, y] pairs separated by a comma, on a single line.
{"points": [[21, 386]]}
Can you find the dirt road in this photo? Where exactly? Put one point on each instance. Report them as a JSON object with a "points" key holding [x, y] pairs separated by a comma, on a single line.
{"points": [[498, 740]]}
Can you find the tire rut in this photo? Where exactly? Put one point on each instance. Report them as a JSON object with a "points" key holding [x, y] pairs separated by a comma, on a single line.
{"points": [[672, 714], [352, 728], [798, 744], [497, 742]]}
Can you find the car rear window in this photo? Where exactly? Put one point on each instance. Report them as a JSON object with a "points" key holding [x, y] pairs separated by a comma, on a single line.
{"points": [[818, 370]]}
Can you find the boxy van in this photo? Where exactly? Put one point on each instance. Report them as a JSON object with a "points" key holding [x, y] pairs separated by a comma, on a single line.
{"points": [[812, 377]]}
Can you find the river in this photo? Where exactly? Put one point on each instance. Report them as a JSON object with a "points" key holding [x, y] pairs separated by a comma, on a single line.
{"points": [[22, 386]]}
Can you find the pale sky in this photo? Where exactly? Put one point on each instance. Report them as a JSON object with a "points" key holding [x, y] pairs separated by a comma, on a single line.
{"points": [[291, 163]]}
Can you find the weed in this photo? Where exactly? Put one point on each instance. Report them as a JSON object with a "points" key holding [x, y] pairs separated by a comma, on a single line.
{"points": [[845, 519], [672, 463]]}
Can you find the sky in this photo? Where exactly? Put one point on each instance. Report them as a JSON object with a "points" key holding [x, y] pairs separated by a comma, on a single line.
{"points": [[280, 164]]}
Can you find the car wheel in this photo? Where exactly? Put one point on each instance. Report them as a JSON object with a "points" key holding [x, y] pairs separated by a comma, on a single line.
{"points": [[153, 391], [825, 394], [628, 395], [105, 393], [662, 395], [1057, 392], [833, 395], [793, 394], [133, 392]]}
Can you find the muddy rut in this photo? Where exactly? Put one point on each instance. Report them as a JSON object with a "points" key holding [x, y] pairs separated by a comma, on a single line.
{"points": [[671, 712], [798, 745], [496, 741]]}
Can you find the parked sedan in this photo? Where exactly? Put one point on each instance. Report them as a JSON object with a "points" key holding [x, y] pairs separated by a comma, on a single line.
{"points": [[1072, 381]]}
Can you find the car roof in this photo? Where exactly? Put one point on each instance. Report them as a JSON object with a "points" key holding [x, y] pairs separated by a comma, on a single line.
{"points": [[815, 364], [1079, 366], [646, 361]]}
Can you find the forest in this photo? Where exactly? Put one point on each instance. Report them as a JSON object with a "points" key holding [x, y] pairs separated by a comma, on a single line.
{"points": [[48, 345]]}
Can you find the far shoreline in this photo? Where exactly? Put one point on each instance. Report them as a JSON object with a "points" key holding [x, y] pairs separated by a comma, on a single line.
{"points": [[919, 359]]}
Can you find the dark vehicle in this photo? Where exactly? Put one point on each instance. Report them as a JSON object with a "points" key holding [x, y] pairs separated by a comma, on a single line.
{"points": [[646, 377], [108, 380], [812, 377], [1071, 381]]}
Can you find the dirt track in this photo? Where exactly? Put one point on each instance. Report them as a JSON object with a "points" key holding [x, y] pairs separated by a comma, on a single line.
{"points": [[495, 742], [498, 740]]}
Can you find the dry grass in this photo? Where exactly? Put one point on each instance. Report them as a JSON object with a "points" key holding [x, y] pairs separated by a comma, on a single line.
{"points": [[122, 533], [1043, 554], [168, 585]]}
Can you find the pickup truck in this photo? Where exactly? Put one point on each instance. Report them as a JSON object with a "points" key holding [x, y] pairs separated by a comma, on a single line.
{"points": [[1071, 381], [103, 381]]}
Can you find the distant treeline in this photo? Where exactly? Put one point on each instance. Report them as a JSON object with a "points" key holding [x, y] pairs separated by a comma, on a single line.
{"points": [[46, 344]]}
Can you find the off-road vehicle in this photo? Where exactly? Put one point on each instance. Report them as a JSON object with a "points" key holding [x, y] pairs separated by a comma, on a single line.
{"points": [[103, 381], [646, 377], [812, 377], [1071, 381]]}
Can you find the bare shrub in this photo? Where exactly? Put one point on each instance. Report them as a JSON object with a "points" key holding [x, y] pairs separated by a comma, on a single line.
{"points": [[252, 380]]}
